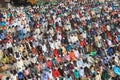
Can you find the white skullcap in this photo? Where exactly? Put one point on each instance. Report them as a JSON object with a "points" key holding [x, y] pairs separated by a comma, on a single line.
{"points": [[71, 62]]}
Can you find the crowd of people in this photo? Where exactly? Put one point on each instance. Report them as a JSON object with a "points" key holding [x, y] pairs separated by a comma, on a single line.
{"points": [[61, 41]]}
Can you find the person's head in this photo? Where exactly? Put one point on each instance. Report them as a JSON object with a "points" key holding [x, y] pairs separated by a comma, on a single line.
{"points": [[26, 68], [14, 72], [68, 75], [7, 78], [76, 70], [113, 58]]}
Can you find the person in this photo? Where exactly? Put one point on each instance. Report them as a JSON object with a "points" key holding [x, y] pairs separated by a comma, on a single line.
{"points": [[68, 77], [66, 35], [55, 73], [20, 76], [13, 75], [44, 76], [76, 74]]}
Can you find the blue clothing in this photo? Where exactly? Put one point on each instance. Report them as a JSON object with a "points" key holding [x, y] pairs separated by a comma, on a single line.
{"points": [[27, 34], [118, 37], [81, 29], [77, 44], [94, 32], [2, 36], [116, 70], [88, 22], [20, 75], [54, 61], [21, 34], [5, 32], [68, 47], [113, 7], [44, 76], [110, 50], [2, 23]]}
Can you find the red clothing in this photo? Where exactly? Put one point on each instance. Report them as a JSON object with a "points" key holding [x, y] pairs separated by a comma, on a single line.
{"points": [[82, 43], [10, 20], [55, 73], [63, 36], [40, 57], [114, 39], [108, 35], [103, 28], [30, 38], [106, 43], [59, 60], [49, 64], [58, 29], [38, 25], [79, 13], [55, 52]]}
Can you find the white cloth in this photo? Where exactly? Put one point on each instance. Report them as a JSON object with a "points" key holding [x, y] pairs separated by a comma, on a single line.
{"points": [[109, 42], [52, 45], [20, 65], [84, 35], [81, 72], [13, 77], [44, 48], [56, 45], [76, 53], [33, 60], [108, 28], [9, 45], [59, 37]]}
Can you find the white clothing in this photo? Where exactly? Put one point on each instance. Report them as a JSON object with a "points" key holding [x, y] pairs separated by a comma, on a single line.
{"points": [[9, 45], [81, 72], [109, 42], [13, 77], [108, 28], [76, 53]]}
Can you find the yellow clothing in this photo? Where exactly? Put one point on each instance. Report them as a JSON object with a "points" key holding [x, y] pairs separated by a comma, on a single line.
{"points": [[5, 60], [1, 54], [63, 50]]}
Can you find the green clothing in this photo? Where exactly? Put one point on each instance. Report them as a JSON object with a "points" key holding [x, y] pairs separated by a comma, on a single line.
{"points": [[60, 51], [93, 53], [105, 75], [76, 74], [9, 15]]}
